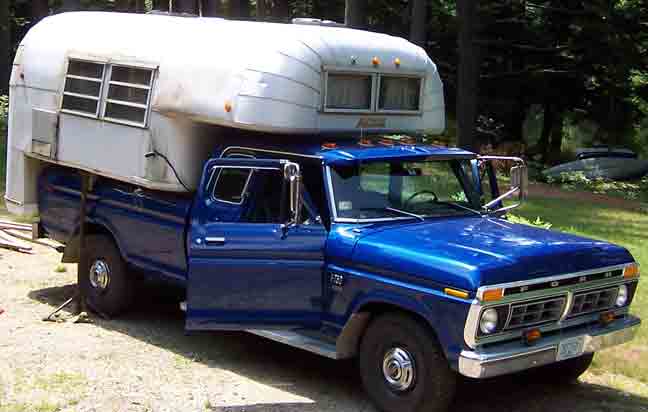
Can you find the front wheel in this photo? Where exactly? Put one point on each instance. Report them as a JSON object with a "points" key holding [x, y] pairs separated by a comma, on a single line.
{"points": [[403, 368]]}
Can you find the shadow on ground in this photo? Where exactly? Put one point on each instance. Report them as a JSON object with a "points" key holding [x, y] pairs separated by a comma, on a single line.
{"points": [[158, 321]]}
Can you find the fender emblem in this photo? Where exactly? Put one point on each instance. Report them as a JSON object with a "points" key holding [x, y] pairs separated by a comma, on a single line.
{"points": [[582, 279], [555, 283]]}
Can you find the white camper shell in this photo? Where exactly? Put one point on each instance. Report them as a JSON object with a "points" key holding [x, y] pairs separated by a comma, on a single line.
{"points": [[99, 91]]}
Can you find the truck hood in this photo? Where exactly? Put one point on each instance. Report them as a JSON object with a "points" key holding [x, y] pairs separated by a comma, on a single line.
{"points": [[471, 252]]}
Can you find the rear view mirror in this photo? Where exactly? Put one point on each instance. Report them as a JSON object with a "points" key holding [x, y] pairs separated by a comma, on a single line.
{"points": [[293, 177], [520, 180]]}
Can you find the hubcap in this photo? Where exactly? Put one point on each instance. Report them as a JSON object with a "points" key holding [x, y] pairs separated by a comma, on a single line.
{"points": [[99, 275], [398, 369]]}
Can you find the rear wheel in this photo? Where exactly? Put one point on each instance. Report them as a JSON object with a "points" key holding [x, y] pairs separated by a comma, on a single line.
{"points": [[563, 372], [403, 368], [106, 283]]}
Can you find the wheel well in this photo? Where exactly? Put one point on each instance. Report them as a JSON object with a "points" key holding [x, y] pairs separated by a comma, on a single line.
{"points": [[348, 342], [71, 253]]}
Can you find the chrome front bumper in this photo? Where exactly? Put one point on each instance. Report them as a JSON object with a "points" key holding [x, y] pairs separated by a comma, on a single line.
{"points": [[516, 356]]}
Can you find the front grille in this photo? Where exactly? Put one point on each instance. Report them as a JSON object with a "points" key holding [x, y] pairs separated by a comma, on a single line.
{"points": [[587, 302], [527, 314]]}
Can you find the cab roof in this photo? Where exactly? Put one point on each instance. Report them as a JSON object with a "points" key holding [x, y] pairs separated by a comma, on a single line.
{"points": [[351, 150]]}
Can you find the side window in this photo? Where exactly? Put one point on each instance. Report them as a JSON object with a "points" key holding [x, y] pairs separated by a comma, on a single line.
{"points": [[114, 92], [128, 96], [82, 90], [231, 185]]}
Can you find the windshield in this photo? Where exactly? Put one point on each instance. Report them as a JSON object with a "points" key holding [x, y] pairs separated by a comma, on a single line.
{"points": [[403, 190]]}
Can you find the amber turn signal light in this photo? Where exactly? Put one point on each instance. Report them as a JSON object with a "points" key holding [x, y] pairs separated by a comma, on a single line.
{"points": [[607, 318], [375, 61], [493, 295], [532, 335], [228, 107], [456, 293], [631, 271]]}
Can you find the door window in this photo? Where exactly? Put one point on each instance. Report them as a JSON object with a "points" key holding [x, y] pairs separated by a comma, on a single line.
{"points": [[231, 185]]}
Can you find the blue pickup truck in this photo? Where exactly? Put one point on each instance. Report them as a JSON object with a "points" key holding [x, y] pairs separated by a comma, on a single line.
{"points": [[396, 253]]}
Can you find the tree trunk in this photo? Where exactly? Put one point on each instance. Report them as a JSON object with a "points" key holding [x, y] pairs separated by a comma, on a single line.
{"points": [[468, 75], [140, 6], [39, 9], [280, 10], [261, 10], [547, 124], [122, 5], [212, 8], [185, 6], [71, 5], [5, 47], [355, 14], [418, 22], [161, 5], [239, 9], [555, 148]]}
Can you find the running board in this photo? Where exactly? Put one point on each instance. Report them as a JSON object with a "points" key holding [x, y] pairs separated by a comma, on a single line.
{"points": [[296, 340]]}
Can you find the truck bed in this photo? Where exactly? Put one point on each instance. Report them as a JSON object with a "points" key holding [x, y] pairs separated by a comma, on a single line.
{"points": [[149, 226]]}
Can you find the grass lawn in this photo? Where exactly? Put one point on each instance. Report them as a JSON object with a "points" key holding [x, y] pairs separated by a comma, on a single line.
{"points": [[626, 228]]}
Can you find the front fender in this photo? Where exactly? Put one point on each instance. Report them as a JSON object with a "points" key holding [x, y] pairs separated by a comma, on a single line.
{"points": [[446, 315]]}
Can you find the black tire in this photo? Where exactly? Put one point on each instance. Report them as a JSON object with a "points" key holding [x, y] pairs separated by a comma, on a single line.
{"points": [[119, 291], [563, 372], [433, 383]]}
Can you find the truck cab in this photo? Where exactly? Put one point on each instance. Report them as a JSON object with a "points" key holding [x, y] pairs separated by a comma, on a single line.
{"points": [[389, 250]]}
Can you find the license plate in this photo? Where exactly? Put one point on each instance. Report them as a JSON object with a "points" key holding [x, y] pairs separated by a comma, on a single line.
{"points": [[570, 348]]}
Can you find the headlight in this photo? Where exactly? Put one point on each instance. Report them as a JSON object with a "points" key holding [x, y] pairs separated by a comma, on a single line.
{"points": [[488, 321], [622, 296]]}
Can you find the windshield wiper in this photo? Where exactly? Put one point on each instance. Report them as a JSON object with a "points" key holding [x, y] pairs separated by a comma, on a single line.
{"points": [[391, 209]]}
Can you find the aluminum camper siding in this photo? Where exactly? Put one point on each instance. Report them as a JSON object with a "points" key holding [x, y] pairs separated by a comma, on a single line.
{"points": [[271, 76]]}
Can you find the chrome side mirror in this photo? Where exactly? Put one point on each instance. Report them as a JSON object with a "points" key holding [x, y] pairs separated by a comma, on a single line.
{"points": [[292, 175], [520, 180]]}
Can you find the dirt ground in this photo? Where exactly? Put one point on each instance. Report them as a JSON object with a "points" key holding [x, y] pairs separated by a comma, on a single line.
{"points": [[144, 361]]}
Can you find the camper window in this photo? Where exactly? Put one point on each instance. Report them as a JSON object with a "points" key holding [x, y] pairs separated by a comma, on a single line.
{"points": [[82, 91], [349, 92], [402, 94], [124, 99], [129, 91]]}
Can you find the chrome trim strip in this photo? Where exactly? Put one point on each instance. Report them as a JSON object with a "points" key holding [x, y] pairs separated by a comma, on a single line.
{"points": [[253, 149], [515, 356], [481, 290]]}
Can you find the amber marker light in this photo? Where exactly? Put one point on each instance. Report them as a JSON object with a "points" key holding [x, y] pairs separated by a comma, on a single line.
{"points": [[375, 61], [228, 107], [456, 293], [606, 318], [631, 271], [329, 146], [397, 62], [492, 295], [532, 335]]}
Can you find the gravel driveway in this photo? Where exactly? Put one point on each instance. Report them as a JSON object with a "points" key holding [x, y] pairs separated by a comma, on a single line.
{"points": [[145, 362]]}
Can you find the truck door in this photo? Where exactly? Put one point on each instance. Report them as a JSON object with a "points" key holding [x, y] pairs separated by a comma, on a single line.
{"points": [[248, 267]]}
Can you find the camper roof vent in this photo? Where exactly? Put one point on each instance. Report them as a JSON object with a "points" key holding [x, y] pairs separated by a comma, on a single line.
{"points": [[306, 21]]}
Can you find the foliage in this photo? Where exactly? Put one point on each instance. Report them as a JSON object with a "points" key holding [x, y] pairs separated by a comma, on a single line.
{"points": [[631, 190], [538, 222]]}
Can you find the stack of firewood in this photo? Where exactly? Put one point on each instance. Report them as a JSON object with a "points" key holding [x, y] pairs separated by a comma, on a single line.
{"points": [[14, 236]]}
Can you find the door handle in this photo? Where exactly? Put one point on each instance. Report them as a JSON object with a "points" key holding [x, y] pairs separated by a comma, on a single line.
{"points": [[215, 241]]}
